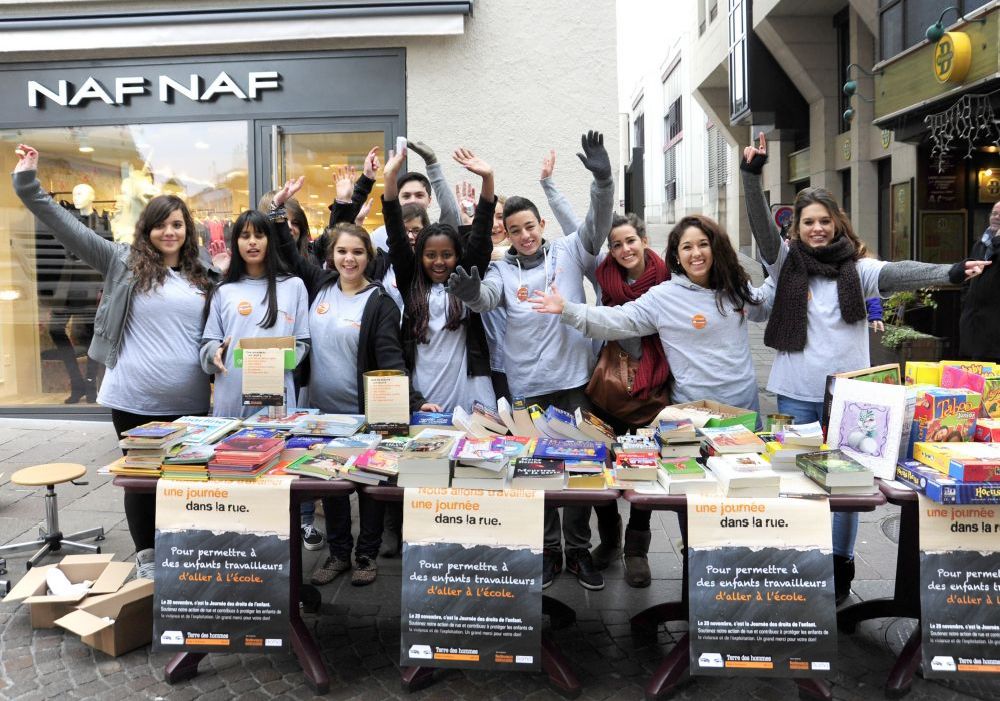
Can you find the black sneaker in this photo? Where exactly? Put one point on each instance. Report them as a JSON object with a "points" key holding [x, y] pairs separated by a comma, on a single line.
{"points": [[312, 539], [579, 562], [551, 566]]}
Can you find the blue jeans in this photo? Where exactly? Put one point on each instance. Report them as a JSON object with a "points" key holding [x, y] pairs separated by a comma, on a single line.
{"points": [[307, 510], [845, 525]]}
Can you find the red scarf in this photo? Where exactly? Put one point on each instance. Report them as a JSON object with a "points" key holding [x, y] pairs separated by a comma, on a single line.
{"points": [[653, 370]]}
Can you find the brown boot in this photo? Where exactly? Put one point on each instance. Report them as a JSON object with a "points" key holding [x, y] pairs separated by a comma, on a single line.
{"points": [[610, 546], [636, 564]]}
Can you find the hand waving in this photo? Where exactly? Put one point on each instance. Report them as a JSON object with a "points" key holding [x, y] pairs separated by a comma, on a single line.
{"points": [[463, 285], [372, 164], [288, 190], [595, 156], [548, 165], [551, 303], [422, 150], [27, 158]]}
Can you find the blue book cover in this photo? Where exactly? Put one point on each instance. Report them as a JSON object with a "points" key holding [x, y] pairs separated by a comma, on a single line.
{"points": [[557, 449], [431, 418], [307, 441]]}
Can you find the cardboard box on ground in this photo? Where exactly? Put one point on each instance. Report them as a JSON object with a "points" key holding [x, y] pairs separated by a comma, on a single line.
{"points": [[115, 616]]}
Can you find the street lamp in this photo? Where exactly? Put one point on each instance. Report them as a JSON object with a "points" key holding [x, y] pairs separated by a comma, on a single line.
{"points": [[936, 30], [851, 89]]}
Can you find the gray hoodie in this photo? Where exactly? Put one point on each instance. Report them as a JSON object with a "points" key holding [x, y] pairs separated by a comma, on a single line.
{"points": [[708, 350]]}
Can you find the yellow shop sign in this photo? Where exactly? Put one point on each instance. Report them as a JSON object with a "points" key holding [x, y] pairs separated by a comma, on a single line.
{"points": [[952, 57]]}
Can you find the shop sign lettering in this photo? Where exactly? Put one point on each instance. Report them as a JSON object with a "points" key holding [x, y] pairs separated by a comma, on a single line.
{"points": [[195, 89]]}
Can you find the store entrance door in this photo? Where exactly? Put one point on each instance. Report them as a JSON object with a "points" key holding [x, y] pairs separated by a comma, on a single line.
{"points": [[317, 149]]}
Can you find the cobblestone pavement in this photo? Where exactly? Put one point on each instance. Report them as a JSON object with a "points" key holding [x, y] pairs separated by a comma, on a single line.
{"points": [[358, 628]]}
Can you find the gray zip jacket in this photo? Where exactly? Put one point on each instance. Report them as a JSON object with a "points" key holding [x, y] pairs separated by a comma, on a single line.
{"points": [[107, 258]]}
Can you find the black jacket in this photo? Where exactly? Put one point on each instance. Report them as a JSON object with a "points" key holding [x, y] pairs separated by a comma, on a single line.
{"points": [[477, 249], [979, 326], [379, 345]]}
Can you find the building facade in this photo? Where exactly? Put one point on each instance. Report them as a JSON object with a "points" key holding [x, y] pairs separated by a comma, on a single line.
{"points": [[218, 102]]}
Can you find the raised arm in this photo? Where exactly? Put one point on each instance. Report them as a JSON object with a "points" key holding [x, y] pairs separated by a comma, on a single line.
{"points": [[479, 245], [561, 208], [912, 275], [439, 185], [597, 224], [479, 295], [86, 244], [310, 273], [400, 252], [762, 226]]}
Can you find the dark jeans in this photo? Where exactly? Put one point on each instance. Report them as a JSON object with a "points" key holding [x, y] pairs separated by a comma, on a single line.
{"points": [[140, 509], [575, 522], [83, 327], [338, 526]]}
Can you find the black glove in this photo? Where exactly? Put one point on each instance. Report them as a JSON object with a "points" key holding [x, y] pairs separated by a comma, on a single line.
{"points": [[756, 164], [956, 273], [422, 150], [463, 285], [596, 159]]}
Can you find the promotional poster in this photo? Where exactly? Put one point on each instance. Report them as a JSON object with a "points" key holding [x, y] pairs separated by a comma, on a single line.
{"points": [[959, 589], [221, 566], [472, 578], [761, 587]]}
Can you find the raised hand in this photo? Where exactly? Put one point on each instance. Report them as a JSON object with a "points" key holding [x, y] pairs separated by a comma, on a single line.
{"points": [[221, 258], [551, 303], [27, 158], [220, 356], [343, 181], [755, 156], [393, 164], [463, 285], [465, 196], [363, 212], [372, 164], [595, 156], [548, 165], [422, 150], [472, 163], [288, 190]]}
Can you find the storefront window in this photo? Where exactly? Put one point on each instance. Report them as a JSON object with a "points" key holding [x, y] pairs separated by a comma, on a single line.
{"points": [[104, 176]]}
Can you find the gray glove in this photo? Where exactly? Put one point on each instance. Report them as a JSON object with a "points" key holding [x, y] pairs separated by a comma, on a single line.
{"points": [[595, 156], [463, 285], [422, 150]]}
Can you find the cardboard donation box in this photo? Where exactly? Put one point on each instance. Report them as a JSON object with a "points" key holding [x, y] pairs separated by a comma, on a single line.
{"points": [[108, 578], [286, 343], [730, 415], [114, 623]]}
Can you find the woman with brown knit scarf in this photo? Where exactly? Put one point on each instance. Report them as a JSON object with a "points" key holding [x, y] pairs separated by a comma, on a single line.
{"points": [[818, 320], [628, 272]]}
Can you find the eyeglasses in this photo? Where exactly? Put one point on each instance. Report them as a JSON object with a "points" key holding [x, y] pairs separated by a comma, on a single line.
{"points": [[414, 231]]}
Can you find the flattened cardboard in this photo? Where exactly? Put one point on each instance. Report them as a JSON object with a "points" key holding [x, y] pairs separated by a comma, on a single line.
{"points": [[130, 610]]}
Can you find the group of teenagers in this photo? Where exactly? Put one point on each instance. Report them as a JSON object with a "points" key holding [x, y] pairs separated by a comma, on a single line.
{"points": [[480, 304]]}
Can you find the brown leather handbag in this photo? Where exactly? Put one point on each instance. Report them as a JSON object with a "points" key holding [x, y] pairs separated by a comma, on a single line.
{"points": [[610, 388]]}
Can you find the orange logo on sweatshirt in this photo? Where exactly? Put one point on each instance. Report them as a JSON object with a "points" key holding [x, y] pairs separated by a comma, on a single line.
{"points": [[698, 321], [323, 308], [244, 308]]}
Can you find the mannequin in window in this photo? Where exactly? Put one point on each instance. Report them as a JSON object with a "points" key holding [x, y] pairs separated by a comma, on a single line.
{"points": [[83, 199]]}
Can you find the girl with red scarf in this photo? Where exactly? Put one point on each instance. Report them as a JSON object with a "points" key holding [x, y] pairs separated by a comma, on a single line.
{"points": [[630, 269]]}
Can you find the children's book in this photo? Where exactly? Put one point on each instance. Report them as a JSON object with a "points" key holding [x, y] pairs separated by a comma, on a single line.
{"points": [[156, 429], [352, 445], [325, 467], [206, 429], [733, 439], [682, 468], [284, 423], [866, 423], [328, 425]]}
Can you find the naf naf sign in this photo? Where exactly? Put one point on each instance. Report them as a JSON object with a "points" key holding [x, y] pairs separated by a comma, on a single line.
{"points": [[168, 89], [135, 91]]}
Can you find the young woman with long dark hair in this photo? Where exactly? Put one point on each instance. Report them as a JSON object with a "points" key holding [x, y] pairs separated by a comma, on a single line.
{"points": [[149, 319]]}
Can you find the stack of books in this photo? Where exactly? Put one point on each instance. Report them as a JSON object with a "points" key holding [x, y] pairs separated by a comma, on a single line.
{"points": [[374, 466], [538, 473], [744, 475], [686, 476], [203, 430], [247, 454], [638, 465], [677, 438], [282, 423], [482, 463], [801, 435], [516, 417], [147, 446], [793, 440], [584, 461], [332, 425], [726, 440], [837, 472], [483, 422], [188, 462], [426, 461]]}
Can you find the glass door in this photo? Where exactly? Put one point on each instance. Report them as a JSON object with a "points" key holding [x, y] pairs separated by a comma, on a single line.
{"points": [[318, 149]]}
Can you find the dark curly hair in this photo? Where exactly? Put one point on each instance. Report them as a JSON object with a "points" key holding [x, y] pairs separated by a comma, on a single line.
{"points": [[726, 276], [146, 262]]}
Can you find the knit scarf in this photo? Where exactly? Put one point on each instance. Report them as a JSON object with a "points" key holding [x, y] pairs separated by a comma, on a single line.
{"points": [[653, 370], [786, 329]]}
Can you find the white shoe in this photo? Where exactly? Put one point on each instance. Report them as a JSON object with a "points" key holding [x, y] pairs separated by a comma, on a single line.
{"points": [[312, 539]]}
